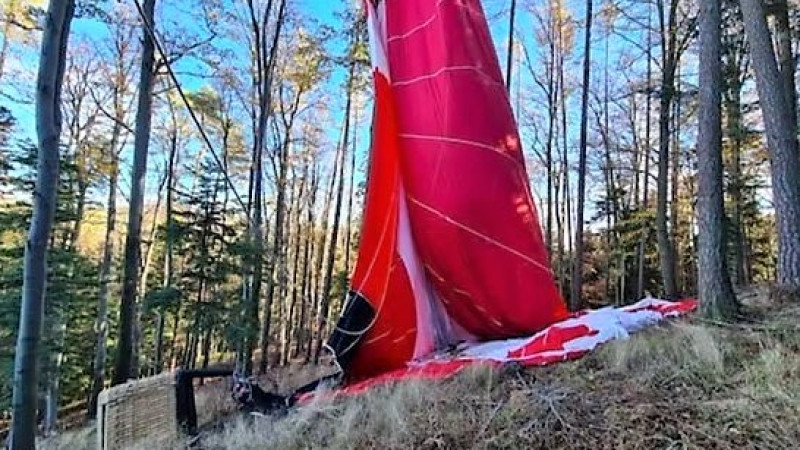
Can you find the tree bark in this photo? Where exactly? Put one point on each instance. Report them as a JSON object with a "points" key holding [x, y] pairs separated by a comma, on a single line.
{"points": [[669, 66], [786, 59], [577, 267], [48, 127], [716, 292], [780, 124], [736, 137], [125, 349]]}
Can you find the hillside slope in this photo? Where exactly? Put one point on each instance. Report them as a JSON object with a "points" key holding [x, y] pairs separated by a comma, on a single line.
{"points": [[688, 384]]}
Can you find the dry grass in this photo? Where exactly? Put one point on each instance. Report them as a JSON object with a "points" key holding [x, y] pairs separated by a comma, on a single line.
{"points": [[689, 385], [81, 439], [213, 402]]}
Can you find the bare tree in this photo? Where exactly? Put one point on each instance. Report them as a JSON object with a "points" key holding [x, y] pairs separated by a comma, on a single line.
{"points": [[716, 292], [48, 127], [577, 268]]}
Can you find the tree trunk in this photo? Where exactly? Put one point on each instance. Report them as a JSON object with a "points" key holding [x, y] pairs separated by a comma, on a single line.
{"points": [[666, 249], [101, 327], [319, 260], [48, 126], [510, 60], [566, 220], [265, 62], [170, 247], [308, 251], [716, 293], [577, 267], [55, 361], [341, 157], [288, 326], [736, 137], [348, 225], [675, 181], [551, 131], [645, 231], [124, 367], [145, 275], [780, 124], [278, 264], [786, 59]]}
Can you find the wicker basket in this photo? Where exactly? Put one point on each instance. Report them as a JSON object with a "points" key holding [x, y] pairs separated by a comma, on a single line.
{"points": [[140, 413]]}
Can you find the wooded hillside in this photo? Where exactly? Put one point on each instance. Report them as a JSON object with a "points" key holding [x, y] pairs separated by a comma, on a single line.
{"points": [[205, 174]]}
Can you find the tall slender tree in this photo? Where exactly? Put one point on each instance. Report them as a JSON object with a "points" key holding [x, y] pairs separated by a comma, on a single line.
{"points": [[668, 24], [338, 173], [510, 49], [264, 56], [48, 128], [125, 366], [645, 205], [577, 265], [716, 292]]}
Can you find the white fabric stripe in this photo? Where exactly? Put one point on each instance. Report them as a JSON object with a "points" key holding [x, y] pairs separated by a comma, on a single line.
{"points": [[443, 70], [451, 140], [418, 27], [377, 38], [425, 340], [472, 231]]}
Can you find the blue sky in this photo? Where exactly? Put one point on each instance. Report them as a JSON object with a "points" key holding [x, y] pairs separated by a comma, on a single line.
{"points": [[324, 12]]}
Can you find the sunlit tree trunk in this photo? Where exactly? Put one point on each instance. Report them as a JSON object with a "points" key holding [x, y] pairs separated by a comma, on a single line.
{"points": [[308, 251], [125, 367], [716, 293], [780, 124], [48, 127]]}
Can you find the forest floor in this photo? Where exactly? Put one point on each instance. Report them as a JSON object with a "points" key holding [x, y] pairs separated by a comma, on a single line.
{"points": [[686, 384]]}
